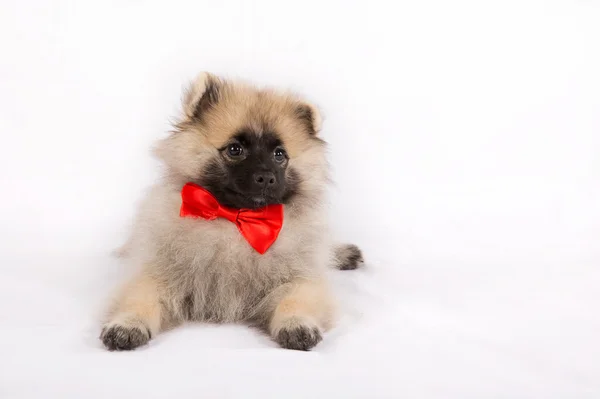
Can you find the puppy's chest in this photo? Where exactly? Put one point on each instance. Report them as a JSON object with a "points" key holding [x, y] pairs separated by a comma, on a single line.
{"points": [[219, 276], [216, 251]]}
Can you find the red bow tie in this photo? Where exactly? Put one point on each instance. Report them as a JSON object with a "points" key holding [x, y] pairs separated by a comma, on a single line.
{"points": [[259, 227]]}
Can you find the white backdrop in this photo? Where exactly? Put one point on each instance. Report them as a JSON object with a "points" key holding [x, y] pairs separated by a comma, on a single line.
{"points": [[464, 138]]}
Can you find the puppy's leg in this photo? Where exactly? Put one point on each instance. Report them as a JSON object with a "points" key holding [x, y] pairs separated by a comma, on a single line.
{"points": [[302, 314], [347, 257], [135, 317]]}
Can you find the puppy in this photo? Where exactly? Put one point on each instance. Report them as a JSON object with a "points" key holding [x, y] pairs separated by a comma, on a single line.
{"points": [[238, 158]]}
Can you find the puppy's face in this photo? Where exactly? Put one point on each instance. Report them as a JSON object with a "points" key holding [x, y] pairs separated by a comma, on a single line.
{"points": [[251, 172], [248, 147]]}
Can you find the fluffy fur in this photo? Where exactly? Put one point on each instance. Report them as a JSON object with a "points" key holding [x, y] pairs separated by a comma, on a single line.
{"points": [[198, 270]]}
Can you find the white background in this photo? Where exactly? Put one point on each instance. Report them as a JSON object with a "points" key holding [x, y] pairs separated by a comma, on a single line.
{"points": [[464, 140]]}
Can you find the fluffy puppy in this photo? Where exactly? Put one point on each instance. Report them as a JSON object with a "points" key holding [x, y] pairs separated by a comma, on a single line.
{"points": [[249, 148]]}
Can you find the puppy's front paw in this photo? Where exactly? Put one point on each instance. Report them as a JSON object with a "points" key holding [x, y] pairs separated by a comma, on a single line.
{"points": [[124, 337], [348, 257], [298, 336]]}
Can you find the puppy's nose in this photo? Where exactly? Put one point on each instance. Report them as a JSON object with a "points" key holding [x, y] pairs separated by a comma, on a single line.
{"points": [[264, 179]]}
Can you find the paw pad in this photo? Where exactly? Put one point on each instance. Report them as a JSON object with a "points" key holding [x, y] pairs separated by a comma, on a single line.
{"points": [[124, 338], [299, 338], [349, 257]]}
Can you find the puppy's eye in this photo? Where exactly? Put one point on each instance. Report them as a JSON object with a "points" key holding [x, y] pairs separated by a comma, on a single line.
{"points": [[234, 150], [279, 154]]}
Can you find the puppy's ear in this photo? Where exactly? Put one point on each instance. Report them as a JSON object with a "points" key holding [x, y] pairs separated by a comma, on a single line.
{"points": [[202, 94], [309, 115]]}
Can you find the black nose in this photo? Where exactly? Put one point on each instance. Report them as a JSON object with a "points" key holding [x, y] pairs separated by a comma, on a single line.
{"points": [[264, 179]]}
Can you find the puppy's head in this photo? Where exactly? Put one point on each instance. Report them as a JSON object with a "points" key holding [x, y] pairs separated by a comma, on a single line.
{"points": [[248, 147]]}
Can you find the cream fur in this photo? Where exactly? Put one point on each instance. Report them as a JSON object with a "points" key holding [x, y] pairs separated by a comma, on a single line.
{"points": [[193, 269]]}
